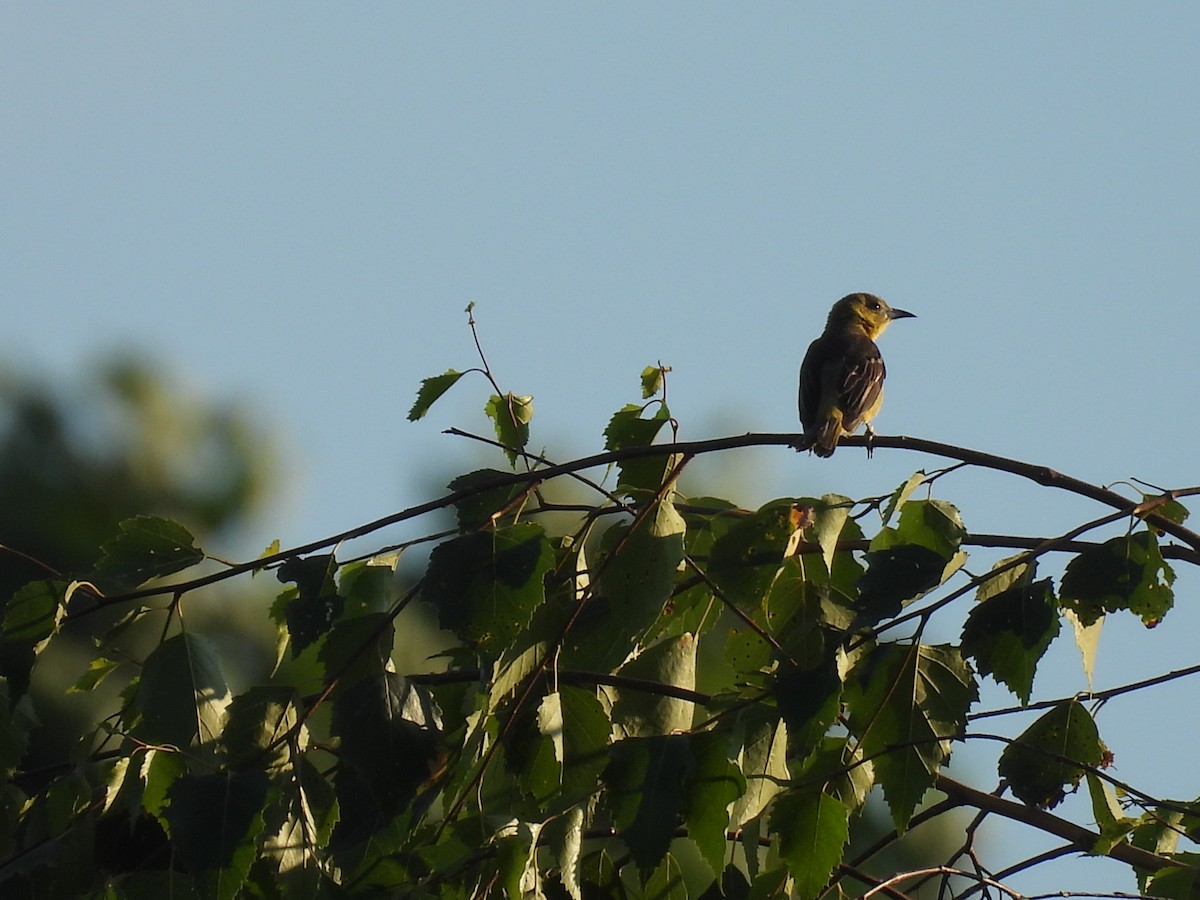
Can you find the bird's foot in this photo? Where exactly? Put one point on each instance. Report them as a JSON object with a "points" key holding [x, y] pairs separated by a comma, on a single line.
{"points": [[870, 442]]}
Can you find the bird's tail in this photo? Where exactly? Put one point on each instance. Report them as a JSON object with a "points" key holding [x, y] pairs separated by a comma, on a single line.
{"points": [[824, 441]]}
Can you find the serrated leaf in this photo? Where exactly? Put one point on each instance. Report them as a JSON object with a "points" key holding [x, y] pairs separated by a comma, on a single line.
{"points": [[636, 581], [714, 784], [32, 615], [831, 515], [98, 669], [486, 585], [906, 703], [809, 701], [745, 560], [431, 389], [257, 721], [652, 380], [1087, 639], [482, 506], [763, 762], [311, 612], [1008, 633], [667, 881], [1126, 572], [644, 780], [627, 428], [639, 713], [900, 496], [357, 648], [813, 830], [1110, 818], [896, 576], [147, 547], [1048, 757], [511, 416]]}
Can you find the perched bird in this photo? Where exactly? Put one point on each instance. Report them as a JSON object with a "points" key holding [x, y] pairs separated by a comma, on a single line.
{"points": [[841, 378]]}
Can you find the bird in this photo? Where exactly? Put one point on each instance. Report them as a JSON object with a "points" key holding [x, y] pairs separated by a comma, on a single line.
{"points": [[841, 378]]}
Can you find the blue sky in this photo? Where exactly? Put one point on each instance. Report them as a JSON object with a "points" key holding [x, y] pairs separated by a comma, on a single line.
{"points": [[291, 204]]}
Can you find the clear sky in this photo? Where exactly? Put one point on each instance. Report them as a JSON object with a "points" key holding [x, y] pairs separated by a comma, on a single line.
{"points": [[292, 203]]}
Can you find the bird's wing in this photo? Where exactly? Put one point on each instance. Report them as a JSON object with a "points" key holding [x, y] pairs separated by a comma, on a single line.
{"points": [[861, 383], [810, 385]]}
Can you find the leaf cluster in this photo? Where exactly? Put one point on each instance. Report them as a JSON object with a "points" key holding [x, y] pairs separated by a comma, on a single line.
{"points": [[656, 695]]}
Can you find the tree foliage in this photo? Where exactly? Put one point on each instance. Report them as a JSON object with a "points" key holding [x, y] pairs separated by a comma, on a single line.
{"points": [[651, 694]]}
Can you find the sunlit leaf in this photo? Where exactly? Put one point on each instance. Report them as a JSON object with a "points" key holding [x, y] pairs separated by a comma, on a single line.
{"points": [[813, 830], [642, 712], [906, 703], [147, 547], [511, 416], [431, 389]]}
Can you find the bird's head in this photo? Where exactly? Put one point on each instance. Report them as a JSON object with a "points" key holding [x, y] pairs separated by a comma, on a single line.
{"points": [[865, 311]]}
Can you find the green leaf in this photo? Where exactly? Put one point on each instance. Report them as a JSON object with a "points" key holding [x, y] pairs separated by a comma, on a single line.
{"points": [[1050, 754], [317, 605], [906, 703], [511, 416], [1008, 633], [627, 428], [357, 648], [431, 389], [481, 506], [935, 524], [639, 713], [895, 576], [666, 882], [1020, 574], [714, 783], [900, 496], [645, 778], [1176, 882], [257, 720], [746, 559], [32, 615], [831, 514], [368, 585], [486, 585], [652, 380], [1172, 510], [813, 829], [214, 822], [147, 547], [1110, 819], [389, 743], [98, 669], [637, 578], [181, 695], [297, 848], [809, 701], [1126, 572], [763, 762]]}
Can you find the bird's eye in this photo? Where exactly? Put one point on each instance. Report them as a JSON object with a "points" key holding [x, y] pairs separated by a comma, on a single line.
{"points": [[873, 304]]}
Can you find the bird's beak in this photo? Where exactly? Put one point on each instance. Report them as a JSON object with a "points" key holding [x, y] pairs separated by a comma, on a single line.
{"points": [[900, 314]]}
